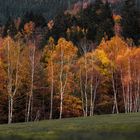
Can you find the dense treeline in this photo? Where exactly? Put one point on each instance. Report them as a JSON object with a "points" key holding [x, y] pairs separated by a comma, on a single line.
{"points": [[75, 65], [17, 8], [49, 9]]}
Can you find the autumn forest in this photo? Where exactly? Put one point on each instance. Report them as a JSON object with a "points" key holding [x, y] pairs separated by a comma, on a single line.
{"points": [[82, 62]]}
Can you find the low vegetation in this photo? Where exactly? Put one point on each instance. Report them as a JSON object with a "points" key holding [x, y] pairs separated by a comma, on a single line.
{"points": [[107, 127]]}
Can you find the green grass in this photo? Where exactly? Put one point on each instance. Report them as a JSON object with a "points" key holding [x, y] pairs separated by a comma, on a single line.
{"points": [[104, 127]]}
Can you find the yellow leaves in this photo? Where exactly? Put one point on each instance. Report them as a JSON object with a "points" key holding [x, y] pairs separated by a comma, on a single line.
{"points": [[95, 62], [51, 40], [114, 48], [102, 57], [123, 58]]}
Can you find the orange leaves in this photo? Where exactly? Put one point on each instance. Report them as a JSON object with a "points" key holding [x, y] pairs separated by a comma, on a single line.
{"points": [[76, 29], [64, 50], [10, 48], [61, 59], [68, 49], [72, 106], [2, 75], [29, 27], [114, 48], [50, 24], [117, 18]]}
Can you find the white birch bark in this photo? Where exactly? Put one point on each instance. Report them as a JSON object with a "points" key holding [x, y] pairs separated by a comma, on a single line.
{"points": [[30, 100], [12, 90]]}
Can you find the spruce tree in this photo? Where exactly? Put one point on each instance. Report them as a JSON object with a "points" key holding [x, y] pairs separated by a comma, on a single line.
{"points": [[98, 19], [105, 22], [10, 28], [38, 19], [131, 21]]}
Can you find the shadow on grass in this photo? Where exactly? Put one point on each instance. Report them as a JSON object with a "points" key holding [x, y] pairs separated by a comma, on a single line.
{"points": [[101, 136], [81, 136], [14, 138]]}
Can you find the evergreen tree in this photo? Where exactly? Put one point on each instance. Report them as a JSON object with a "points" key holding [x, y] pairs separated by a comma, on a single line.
{"points": [[87, 21], [10, 28], [61, 23], [131, 21], [38, 19], [105, 22], [98, 19]]}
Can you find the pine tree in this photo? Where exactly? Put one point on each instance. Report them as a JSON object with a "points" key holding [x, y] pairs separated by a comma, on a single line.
{"points": [[105, 22], [98, 19], [131, 20], [10, 28], [38, 19], [61, 23]]}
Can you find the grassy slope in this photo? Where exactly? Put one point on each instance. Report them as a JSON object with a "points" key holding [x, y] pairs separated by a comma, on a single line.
{"points": [[105, 127]]}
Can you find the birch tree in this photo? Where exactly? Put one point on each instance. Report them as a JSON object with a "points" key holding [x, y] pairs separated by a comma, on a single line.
{"points": [[113, 48], [12, 58], [63, 57], [49, 69], [32, 51]]}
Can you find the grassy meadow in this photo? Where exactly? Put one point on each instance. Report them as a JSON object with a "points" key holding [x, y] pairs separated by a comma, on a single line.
{"points": [[104, 127]]}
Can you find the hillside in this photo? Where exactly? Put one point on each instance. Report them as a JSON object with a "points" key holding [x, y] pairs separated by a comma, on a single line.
{"points": [[49, 8], [105, 127], [16, 8]]}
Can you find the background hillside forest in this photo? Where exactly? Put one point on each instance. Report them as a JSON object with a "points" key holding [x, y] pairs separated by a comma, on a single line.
{"points": [[61, 59]]}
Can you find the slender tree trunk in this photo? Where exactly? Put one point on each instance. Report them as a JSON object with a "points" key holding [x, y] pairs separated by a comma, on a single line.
{"points": [[10, 69], [61, 85], [30, 101], [138, 93], [128, 98], [9, 86], [11, 109], [91, 96], [135, 90], [95, 92], [10, 116], [123, 90], [52, 89], [82, 93], [62, 89], [85, 92], [130, 86], [61, 105], [115, 106], [28, 108]]}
